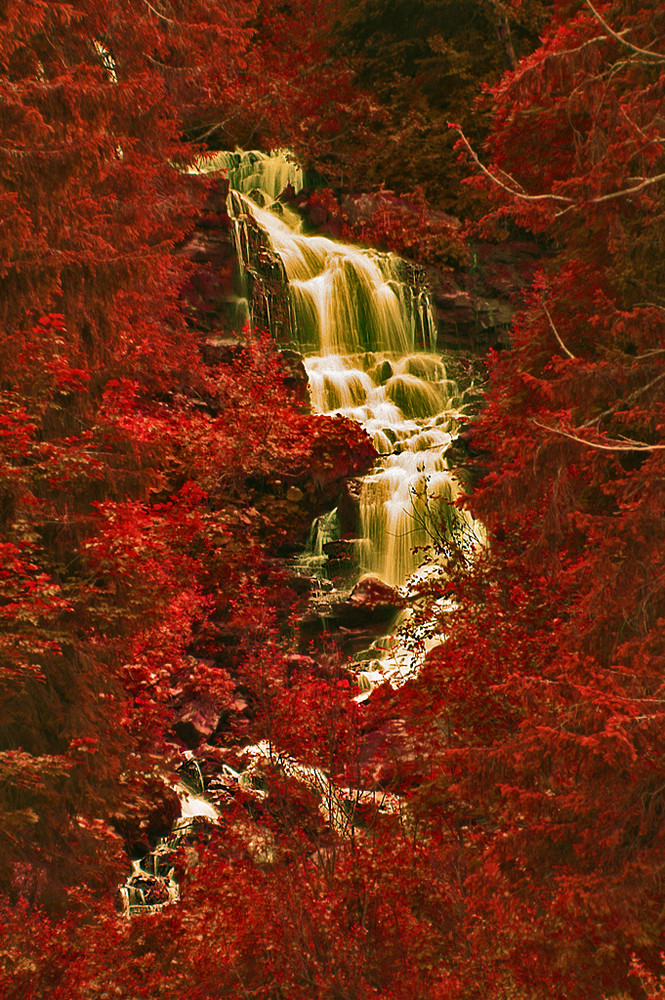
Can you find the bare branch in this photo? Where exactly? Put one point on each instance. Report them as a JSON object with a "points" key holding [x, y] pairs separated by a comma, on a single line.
{"points": [[649, 305], [626, 445], [157, 13], [624, 402], [619, 36], [570, 202], [556, 332], [578, 48], [647, 182], [649, 354], [658, 140], [500, 183]]}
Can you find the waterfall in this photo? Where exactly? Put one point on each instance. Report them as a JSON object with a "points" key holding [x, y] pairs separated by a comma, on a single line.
{"points": [[269, 173], [367, 335]]}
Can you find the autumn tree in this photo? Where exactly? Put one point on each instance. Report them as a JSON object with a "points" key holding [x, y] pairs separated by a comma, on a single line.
{"points": [[523, 855], [125, 462], [424, 63], [543, 742]]}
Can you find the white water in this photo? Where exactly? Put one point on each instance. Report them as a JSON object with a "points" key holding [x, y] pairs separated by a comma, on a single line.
{"points": [[248, 171], [368, 345], [367, 338]]}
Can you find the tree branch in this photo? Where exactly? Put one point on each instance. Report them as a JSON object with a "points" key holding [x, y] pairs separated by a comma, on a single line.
{"points": [[647, 182], [157, 13], [499, 183], [658, 140], [624, 402], [570, 202], [619, 36], [627, 445], [556, 332]]}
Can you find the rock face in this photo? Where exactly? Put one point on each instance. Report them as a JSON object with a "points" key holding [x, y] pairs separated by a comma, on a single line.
{"points": [[474, 307], [295, 375], [355, 622], [210, 296]]}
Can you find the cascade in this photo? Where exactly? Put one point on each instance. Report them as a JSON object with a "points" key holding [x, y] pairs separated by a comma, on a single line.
{"points": [[366, 332], [269, 173], [367, 336]]}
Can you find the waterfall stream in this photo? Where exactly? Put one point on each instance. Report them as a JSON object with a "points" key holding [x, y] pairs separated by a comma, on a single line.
{"points": [[367, 335]]}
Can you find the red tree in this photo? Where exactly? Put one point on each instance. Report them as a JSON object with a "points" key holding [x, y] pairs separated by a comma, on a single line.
{"points": [[540, 716], [125, 463]]}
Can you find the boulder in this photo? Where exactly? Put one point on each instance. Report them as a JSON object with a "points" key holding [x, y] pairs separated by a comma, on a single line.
{"points": [[197, 720], [299, 664], [373, 598], [295, 375], [380, 373], [348, 506], [356, 621], [221, 349]]}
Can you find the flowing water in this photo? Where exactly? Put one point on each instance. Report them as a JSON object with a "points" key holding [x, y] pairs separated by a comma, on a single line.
{"points": [[368, 338]]}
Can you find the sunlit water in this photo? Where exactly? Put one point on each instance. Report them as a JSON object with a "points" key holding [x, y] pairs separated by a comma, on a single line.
{"points": [[367, 337]]}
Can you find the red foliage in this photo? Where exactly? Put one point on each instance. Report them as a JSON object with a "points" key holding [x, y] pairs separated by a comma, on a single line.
{"points": [[127, 530], [524, 856], [404, 224], [540, 718]]}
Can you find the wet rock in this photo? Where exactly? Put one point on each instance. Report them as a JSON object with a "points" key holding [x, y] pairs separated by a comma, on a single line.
{"points": [[298, 663], [341, 549], [302, 584], [295, 375], [474, 307], [465, 454], [269, 265], [381, 373], [373, 598], [356, 622], [342, 560], [313, 623], [351, 640], [301, 665], [197, 720], [221, 349], [257, 195], [348, 507]]}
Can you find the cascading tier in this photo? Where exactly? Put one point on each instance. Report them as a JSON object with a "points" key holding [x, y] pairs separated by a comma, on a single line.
{"points": [[368, 336]]}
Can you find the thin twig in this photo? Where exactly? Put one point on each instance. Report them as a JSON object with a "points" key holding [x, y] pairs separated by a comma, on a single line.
{"points": [[619, 36], [157, 13], [615, 446], [658, 139], [624, 402], [556, 332], [499, 183], [570, 202]]}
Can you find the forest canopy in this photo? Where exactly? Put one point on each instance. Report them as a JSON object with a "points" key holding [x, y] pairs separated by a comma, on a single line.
{"points": [[511, 847]]}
